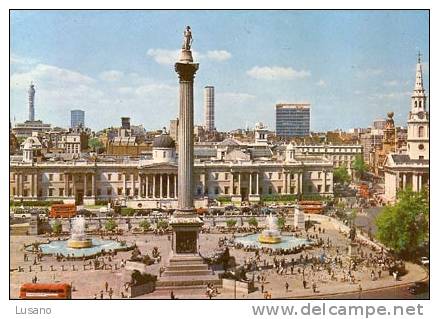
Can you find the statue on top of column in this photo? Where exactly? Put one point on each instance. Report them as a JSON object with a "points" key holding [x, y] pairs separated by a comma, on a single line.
{"points": [[187, 40]]}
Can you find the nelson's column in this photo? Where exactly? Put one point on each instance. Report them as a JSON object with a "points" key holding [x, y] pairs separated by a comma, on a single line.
{"points": [[186, 266]]}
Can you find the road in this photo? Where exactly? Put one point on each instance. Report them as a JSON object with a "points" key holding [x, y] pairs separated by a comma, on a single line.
{"points": [[400, 292]]}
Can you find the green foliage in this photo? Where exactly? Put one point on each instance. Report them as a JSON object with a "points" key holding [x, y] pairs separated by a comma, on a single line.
{"points": [[36, 203], [278, 198], [56, 226], [95, 144], [403, 226], [359, 165], [231, 223], [223, 199], [126, 211], [281, 221], [101, 202], [162, 224], [341, 175], [110, 224], [253, 222], [145, 225]]}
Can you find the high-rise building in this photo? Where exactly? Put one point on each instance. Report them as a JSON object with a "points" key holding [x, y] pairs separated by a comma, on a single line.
{"points": [[209, 108], [379, 124], [31, 102], [126, 123], [293, 119], [77, 118]]}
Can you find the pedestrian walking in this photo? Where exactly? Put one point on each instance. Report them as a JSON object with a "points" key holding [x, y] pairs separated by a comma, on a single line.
{"points": [[286, 286], [106, 286]]}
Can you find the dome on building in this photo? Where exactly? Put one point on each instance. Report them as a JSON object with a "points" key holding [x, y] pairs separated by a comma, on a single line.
{"points": [[163, 141]]}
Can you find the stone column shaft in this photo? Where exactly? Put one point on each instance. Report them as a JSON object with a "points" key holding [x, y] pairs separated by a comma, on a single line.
{"points": [[93, 185], [250, 186], [257, 183], [153, 185], [186, 72]]}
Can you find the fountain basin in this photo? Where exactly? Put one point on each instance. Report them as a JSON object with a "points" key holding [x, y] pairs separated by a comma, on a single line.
{"points": [[79, 243], [97, 245], [270, 237], [286, 242]]}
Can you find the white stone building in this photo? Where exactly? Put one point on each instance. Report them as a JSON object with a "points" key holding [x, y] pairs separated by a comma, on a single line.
{"points": [[411, 169]]}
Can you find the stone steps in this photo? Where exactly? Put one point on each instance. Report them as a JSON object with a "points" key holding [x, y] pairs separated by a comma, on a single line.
{"points": [[201, 272], [187, 267]]}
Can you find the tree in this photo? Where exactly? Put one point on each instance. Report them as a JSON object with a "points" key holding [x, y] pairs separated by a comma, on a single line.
{"points": [[110, 224], [281, 221], [145, 225], [162, 224], [403, 226], [341, 175], [56, 226], [253, 222], [95, 144], [231, 223], [359, 166]]}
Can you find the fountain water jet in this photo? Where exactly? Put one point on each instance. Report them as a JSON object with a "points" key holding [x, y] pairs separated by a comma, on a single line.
{"points": [[78, 238]]}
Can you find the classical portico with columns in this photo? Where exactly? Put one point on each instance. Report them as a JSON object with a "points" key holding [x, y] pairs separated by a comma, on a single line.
{"points": [[411, 170]]}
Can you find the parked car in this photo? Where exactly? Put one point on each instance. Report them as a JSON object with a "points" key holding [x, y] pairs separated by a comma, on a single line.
{"points": [[425, 261], [418, 287]]}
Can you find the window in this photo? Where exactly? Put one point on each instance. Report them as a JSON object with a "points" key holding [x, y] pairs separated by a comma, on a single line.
{"points": [[216, 190], [279, 175], [421, 131], [421, 146], [119, 191], [327, 188], [119, 177], [25, 192], [226, 176], [109, 177], [136, 191], [50, 177], [319, 188], [416, 103], [270, 190], [164, 154], [128, 191], [226, 190], [50, 192], [215, 176], [269, 176], [420, 103], [421, 157], [109, 191], [279, 189], [61, 192], [61, 177]]}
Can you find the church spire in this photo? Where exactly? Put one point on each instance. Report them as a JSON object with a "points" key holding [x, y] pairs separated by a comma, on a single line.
{"points": [[419, 84]]}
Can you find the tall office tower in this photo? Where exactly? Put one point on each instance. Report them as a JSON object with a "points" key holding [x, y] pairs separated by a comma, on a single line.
{"points": [[293, 119], [31, 102], [77, 118], [209, 108], [125, 123]]}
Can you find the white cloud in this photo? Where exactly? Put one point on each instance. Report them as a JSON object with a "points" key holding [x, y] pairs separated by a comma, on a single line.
{"points": [[321, 83], [52, 77], [219, 55], [163, 56], [277, 73], [169, 57], [111, 75], [20, 60], [234, 97], [390, 95]]}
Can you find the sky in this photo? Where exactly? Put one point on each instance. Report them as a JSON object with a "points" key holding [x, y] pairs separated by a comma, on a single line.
{"points": [[351, 66]]}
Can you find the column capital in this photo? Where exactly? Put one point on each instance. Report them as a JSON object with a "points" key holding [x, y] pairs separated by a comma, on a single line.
{"points": [[186, 71]]}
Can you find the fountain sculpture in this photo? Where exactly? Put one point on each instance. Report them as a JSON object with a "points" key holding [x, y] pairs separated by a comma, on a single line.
{"points": [[78, 238], [272, 234]]}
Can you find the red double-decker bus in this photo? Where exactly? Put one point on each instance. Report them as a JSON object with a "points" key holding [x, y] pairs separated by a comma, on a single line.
{"points": [[45, 291], [63, 210]]}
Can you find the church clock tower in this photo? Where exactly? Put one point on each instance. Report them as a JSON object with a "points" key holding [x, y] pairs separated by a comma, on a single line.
{"points": [[418, 125]]}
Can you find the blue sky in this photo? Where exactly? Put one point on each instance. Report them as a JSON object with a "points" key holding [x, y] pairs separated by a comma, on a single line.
{"points": [[352, 66]]}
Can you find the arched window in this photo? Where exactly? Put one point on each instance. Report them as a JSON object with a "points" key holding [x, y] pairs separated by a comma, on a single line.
{"points": [[416, 103], [420, 103], [421, 131]]}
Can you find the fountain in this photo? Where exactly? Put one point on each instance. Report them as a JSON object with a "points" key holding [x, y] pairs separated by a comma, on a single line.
{"points": [[272, 234], [78, 238]]}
